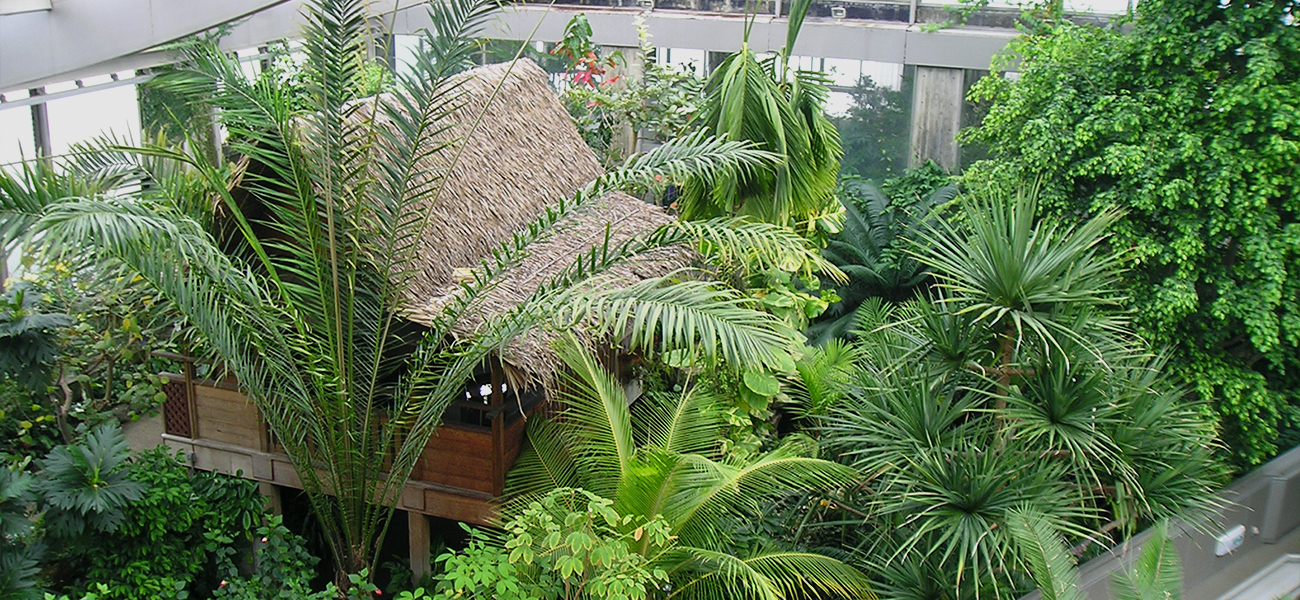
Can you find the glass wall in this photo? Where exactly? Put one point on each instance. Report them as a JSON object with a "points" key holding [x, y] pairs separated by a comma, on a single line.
{"points": [[113, 112], [16, 134]]}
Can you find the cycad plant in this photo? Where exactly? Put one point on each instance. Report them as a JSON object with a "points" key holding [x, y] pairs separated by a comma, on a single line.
{"points": [[660, 458], [779, 108], [1013, 387], [303, 300], [872, 250]]}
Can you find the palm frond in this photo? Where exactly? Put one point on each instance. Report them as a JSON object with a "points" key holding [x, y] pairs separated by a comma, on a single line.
{"points": [[1043, 552], [598, 420], [1155, 575], [688, 422], [710, 491], [660, 315], [764, 575]]}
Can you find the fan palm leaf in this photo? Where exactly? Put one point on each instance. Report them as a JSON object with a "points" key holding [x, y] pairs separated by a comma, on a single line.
{"points": [[1021, 276]]}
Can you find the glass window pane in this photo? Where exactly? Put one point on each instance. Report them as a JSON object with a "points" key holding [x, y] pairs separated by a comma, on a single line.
{"points": [[84, 116]]}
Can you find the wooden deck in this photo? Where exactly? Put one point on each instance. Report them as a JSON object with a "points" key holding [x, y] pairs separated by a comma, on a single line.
{"points": [[460, 474]]}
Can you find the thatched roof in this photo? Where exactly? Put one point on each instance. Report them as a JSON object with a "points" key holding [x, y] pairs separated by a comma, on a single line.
{"points": [[623, 216], [525, 153]]}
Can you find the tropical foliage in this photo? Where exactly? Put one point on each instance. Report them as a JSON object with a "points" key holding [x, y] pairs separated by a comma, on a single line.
{"points": [[1015, 386], [872, 249], [1187, 123], [659, 460], [1154, 574], [143, 527], [568, 543], [308, 321], [637, 99]]}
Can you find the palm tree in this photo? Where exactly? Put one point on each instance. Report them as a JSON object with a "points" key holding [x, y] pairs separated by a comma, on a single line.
{"points": [[1012, 388], [660, 458], [781, 111], [307, 316]]}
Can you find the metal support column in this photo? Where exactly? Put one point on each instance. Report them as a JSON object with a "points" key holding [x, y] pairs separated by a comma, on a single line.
{"points": [[41, 126]]}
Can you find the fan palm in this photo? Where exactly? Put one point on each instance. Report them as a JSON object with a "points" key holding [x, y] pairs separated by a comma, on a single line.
{"points": [[1035, 283], [308, 316], [660, 458], [1012, 388]]}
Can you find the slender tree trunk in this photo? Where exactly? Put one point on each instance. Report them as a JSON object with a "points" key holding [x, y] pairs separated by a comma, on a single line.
{"points": [[1007, 349]]}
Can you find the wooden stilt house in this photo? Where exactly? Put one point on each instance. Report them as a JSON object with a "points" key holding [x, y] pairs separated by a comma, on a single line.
{"points": [[524, 154]]}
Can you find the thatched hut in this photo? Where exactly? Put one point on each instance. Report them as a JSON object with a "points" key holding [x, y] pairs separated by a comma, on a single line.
{"points": [[523, 154]]}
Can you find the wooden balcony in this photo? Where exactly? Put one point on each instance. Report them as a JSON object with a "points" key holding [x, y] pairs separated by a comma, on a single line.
{"points": [[458, 477]]}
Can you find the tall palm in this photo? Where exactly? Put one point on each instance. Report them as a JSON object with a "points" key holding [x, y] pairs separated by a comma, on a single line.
{"points": [[661, 458], [304, 305], [780, 109]]}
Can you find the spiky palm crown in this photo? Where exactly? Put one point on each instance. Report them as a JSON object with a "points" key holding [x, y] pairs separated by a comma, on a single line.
{"points": [[1013, 388]]}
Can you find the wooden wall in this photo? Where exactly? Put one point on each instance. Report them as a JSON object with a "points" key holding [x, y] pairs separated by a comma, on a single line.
{"points": [[225, 415]]}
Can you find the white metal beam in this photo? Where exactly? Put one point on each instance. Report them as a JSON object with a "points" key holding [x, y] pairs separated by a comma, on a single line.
{"points": [[75, 34], [78, 38]]}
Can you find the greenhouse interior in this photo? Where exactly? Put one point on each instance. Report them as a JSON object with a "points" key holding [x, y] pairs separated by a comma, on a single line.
{"points": [[650, 299]]}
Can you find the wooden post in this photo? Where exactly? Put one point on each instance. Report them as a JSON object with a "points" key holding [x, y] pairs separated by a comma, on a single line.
{"points": [[271, 493], [937, 103], [498, 430], [190, 400], [418, 526]]}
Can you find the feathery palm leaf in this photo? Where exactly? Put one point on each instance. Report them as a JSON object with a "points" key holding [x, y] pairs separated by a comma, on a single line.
{"points": [[1048, 562], [1155, 575], [645, 467]]}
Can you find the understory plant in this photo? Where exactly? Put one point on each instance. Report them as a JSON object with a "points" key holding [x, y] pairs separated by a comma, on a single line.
{"points": [[872, 248], [91, 519], [566, 544], [660, 460]]}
